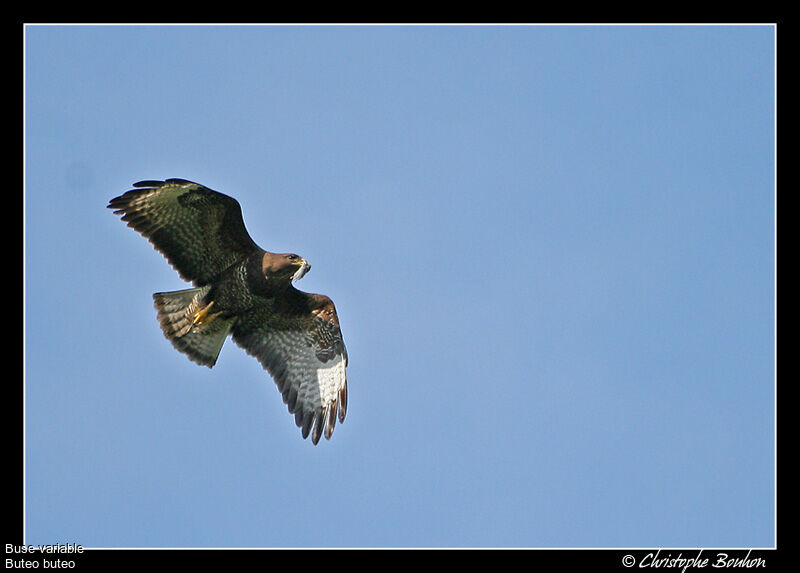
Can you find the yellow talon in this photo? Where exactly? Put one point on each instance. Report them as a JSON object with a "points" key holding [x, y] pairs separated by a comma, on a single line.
{"points": [[202, 316]]}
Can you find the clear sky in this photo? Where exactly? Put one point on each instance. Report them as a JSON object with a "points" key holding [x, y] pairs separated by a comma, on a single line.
{"points": [[551, 250]]}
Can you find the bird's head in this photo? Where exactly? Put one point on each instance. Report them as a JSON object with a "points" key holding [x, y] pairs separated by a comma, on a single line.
{"points": [[284, 266]]}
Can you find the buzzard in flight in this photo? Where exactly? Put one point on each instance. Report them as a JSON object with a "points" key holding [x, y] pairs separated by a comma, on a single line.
{"points": [[242, 290]]}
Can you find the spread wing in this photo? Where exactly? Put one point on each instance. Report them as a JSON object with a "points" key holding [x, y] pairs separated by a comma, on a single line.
{"points": [[298, 341], [201, 232]]}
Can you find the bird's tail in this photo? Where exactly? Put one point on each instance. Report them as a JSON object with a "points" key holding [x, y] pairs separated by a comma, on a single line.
{"points": [[189, 322]]}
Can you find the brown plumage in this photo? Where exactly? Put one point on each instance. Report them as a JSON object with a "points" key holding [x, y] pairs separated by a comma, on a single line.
{"points": [[241, 290]]}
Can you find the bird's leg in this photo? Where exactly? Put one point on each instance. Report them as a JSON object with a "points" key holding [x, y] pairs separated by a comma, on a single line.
{"points": [[202, 316]]}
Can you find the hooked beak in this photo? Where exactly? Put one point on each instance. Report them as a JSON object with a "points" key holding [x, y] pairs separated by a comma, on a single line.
{"points": [[302, 268]]}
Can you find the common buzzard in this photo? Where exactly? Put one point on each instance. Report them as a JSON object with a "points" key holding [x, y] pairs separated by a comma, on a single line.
{"points": [[241, 290]]}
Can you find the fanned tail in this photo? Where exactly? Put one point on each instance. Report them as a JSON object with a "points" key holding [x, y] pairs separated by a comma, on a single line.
{"points": [[201, 339]]}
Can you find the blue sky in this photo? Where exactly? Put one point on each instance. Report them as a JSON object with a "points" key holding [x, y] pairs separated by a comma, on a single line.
{"points": [[551, 249]]}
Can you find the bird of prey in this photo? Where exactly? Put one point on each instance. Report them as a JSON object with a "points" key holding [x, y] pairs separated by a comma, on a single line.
{"points": [[242, 290]]}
